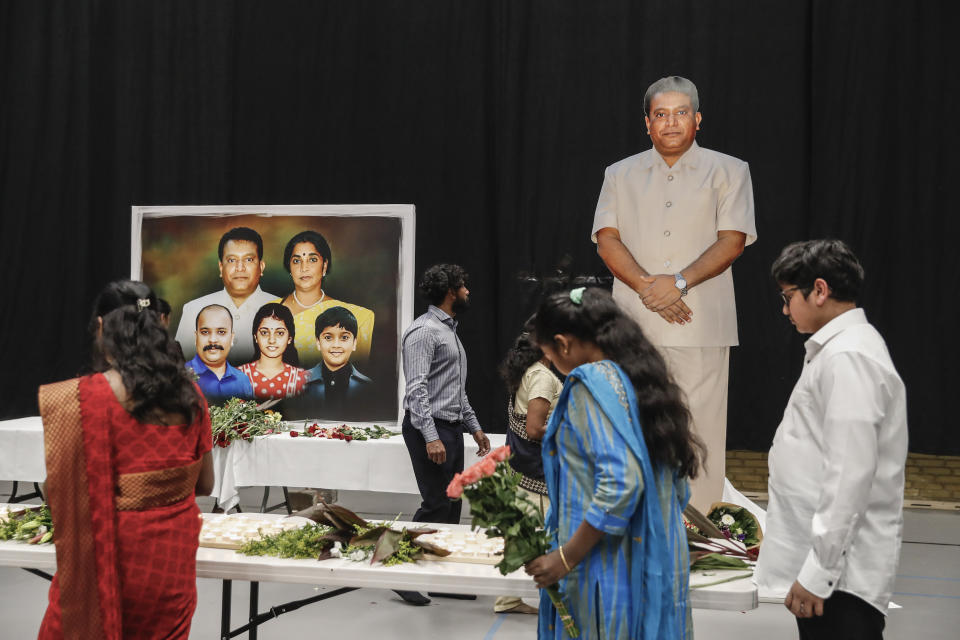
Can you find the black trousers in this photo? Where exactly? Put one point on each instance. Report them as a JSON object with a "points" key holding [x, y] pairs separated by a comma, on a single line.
{"points": [[845, 617], [433, 478]]}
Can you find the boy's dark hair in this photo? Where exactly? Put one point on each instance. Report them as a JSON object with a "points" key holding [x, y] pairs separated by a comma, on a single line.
{"points": [[440, 278], [801, 263], [241, 233], [336, 317], [314, 238]]}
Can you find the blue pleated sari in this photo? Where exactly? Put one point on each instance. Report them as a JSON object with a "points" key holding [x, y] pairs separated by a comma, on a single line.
{"points": [[634, 583]]}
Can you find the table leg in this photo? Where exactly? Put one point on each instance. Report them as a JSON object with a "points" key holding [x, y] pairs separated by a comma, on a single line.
{"points": [[254, 605], [226, 597]]}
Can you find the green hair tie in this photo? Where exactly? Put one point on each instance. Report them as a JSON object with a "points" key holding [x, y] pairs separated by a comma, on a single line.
{"points": [[576, 295]]}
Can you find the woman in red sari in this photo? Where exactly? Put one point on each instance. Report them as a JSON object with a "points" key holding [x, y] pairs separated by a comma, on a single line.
{"points": [[126, 447]]}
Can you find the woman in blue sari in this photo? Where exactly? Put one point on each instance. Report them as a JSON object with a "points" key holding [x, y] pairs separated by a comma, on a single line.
{"points": [[616, 455]]}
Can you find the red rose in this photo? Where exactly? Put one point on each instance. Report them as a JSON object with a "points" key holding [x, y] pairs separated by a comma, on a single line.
{"points": [[347, 438], [294, 434], [487, 467]]}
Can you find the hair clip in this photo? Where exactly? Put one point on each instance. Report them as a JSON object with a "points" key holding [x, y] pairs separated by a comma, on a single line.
{"points": [[576, 295], [142, 303]]}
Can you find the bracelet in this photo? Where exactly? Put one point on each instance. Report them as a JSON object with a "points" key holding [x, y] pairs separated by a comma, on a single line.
{"points": [[563, 559]]}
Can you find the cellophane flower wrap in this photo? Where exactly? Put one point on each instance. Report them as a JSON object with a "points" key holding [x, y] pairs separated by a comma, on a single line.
{"points": [[498, 508]]}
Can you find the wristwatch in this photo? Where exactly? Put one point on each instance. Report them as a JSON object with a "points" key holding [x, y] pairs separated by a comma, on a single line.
{"points": [[680, 283]]}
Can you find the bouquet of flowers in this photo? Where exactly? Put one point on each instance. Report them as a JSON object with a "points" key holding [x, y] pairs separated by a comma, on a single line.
{"points": [[345, 432], [710, 547], [242, 420], [498, 508], [736, 523], [341, 533]]}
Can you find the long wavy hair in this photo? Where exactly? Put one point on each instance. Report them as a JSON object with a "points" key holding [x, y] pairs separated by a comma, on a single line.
{"points": [[523, 353], [665, 419], [132, 340], [279, 312]]}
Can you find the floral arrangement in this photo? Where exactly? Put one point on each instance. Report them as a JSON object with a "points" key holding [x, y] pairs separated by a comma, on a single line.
{"points": [[33, 525], [345, 432], [710, 548], [242, 420], [736, 523], [340, 533], [498, 507]]}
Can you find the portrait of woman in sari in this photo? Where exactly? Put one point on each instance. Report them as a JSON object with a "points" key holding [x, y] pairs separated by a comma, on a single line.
{"points": [[276, 372], [617, 453], [127, 448], [308, 260]]}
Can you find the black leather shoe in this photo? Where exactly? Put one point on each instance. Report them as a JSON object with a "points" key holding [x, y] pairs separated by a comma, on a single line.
{"points": [[413, 597], [455, 596]]}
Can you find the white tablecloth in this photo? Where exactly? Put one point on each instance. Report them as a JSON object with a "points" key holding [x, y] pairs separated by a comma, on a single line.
{"points": [[21, 450], [424, 575], [270, 461], [281, 460]]}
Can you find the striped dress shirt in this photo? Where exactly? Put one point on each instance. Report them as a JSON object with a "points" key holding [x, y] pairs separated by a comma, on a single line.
{"points": [[435, 367]]}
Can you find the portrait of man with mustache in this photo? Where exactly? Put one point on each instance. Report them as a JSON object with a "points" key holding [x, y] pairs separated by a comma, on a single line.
{"points": [[217, 378]]}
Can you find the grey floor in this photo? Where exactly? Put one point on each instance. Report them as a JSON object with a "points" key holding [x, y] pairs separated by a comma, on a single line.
{"points": [[927, 589]]}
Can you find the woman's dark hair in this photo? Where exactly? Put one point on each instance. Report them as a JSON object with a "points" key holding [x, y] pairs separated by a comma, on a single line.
{"points": [[336, 317], [439, 279], [314, 238], [134, 342], [665, 420], [522, 354], [800, 263], [284, 315]]}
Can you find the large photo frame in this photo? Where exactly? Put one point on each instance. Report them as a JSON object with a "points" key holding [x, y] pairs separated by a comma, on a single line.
{"points": [[238, 278]]}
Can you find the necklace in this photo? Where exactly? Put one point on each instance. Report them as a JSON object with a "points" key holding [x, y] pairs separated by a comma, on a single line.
{"points": [[309, 306]]}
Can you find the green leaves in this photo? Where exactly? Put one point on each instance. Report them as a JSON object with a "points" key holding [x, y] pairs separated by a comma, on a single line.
{"points": [[33, 524]]}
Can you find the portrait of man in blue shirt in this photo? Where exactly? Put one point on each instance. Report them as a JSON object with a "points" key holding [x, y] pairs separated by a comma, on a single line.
{"points": [[218, 379]]}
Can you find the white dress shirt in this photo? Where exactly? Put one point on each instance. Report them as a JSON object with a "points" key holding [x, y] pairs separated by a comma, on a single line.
{"points": [[242, 350], [835, 517], [667, 217]]}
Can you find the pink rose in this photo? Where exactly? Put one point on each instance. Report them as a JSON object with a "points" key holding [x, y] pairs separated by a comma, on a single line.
{"points": [[471, 475], [455, 488], [487, 466], [500, 453]]}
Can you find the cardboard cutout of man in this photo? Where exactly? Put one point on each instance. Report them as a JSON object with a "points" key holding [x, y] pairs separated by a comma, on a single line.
{"points": [[241, 266], [669, 223], [218, 379]]}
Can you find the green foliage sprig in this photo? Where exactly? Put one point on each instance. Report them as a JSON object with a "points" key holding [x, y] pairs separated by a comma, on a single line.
{"points": [[31, 524]]}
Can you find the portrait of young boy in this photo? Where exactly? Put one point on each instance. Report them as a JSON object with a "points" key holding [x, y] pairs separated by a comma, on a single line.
{"points": [[335, 388]]}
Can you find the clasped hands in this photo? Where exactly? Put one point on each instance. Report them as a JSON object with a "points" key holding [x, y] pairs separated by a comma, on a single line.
{"points": [[662, 297]]}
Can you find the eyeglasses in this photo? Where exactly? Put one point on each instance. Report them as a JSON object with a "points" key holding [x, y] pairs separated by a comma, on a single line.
{"points": [[784, 295]]}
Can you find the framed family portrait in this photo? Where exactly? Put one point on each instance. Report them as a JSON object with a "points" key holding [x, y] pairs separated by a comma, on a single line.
{"points": [[300, 304]]}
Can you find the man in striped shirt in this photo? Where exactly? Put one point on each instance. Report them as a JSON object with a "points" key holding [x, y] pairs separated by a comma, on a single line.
{"points": [[437, 409]]}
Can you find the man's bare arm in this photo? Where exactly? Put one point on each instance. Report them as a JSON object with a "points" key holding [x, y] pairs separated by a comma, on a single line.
{"points": [[625, 268], [662, 291], [619, 260]]}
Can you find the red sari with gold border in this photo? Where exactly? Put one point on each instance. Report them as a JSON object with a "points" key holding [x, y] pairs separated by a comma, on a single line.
{"points": [[127, 526]]}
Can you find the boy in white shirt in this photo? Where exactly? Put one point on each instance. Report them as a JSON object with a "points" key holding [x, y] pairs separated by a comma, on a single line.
{"points": [[835, 517]]}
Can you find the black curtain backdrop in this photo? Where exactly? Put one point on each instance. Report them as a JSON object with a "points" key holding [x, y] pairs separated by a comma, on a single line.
{"points": [[496, 119]]}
